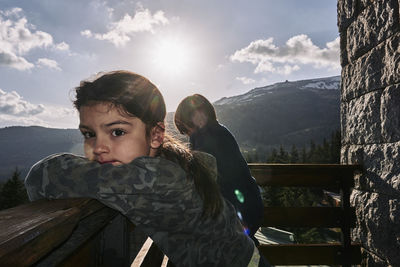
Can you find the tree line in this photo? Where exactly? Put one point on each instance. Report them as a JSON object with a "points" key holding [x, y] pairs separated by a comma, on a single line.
{"points": [[326, 152]]}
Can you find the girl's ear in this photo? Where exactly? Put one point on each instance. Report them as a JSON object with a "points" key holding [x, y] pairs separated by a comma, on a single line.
{"points": [[157, 136]]}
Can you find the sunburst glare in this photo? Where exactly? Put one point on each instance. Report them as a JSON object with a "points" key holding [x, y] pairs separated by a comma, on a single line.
{"points": [[172, 56]]}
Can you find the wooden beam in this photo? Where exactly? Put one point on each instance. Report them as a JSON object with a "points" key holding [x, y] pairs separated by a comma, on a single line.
{"points": [[328, 217], [306, 254], [85, 246], [149, 255], [28, 236], [32, 230], [307, 175]]}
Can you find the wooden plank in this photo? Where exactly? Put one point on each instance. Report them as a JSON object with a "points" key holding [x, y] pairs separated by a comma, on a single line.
{"points": [[31, 243], [142, 253], [87, 244], [30, 231], [149, 255], [328, 217], [305, 254], [154, 257], [308, 175]]}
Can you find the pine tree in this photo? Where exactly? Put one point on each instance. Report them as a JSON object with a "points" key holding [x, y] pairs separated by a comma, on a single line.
{"points": [[312, 152], [294, 155], [283, 156], [273, 157], [335, 147], [304, 155], [13, 192]]}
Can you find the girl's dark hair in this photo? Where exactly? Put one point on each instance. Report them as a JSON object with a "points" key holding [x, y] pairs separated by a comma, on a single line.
{"points": [[186, 109], [132, 92], [136, 96]]}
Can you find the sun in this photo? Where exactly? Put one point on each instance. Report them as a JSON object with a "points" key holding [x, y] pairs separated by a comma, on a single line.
{"points": [[172, 56]]}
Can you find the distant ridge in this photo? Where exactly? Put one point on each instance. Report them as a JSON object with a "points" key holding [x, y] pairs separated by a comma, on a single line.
{"points": [[329, 83], [23, 146], [285, 113]]}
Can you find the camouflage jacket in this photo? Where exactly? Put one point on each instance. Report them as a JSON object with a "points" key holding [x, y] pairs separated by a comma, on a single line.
{"points": [[156, 195]]}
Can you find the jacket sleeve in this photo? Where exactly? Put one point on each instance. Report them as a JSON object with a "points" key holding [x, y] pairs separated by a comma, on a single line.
{"points": [[124, 188]]}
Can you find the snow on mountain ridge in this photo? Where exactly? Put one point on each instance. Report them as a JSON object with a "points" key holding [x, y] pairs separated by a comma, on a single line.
{"points": [[330, 83]]}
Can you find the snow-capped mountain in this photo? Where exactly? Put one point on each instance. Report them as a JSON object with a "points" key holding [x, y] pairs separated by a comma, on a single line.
{"points": [[284, 113], [330, 83]]}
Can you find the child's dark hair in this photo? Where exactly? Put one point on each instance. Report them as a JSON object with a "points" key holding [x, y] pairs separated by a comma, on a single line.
{"points": [[186, 109], [136, 96]]}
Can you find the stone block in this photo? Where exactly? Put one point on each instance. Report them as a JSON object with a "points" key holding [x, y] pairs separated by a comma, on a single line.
{"points": [[391, 61], [375, 70], [363, 119], [390, 114], [343, 51], [346, 11], [343, 122], [376, 230], [373, 25], [381, 167]]}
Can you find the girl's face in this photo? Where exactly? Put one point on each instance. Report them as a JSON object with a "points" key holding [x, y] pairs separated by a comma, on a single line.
{"points": [[111, 137]]}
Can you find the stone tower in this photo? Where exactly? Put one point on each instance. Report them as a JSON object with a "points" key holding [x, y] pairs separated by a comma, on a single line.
{"points": [[370, 122]]}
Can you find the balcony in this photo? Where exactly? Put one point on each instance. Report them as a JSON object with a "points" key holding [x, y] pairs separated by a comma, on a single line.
{"points": [[83, 232]]}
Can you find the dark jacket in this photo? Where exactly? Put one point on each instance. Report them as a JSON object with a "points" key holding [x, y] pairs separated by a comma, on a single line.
{"points": [[234, 177]]}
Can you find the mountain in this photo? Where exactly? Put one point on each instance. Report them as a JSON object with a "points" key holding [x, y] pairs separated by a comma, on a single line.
{"points": [[280, 114], [21, 147], [284, 113]]}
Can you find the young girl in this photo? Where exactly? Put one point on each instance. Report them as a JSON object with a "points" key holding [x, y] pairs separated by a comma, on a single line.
{"points": [[132, 167]]}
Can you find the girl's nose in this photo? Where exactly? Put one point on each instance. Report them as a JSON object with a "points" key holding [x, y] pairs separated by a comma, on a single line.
{"points": [[101, 146]]}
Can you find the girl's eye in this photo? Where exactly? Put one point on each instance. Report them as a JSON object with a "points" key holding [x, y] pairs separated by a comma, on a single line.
{"points": [[118, 132], [87, 135]]}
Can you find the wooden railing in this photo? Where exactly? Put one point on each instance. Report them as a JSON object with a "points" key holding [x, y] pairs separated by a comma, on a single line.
{"points": [[83, 232], [70, 232], [332, 177]]}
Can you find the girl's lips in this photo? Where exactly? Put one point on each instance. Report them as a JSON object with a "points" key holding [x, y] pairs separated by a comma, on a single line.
{"points": [[108, 162]]}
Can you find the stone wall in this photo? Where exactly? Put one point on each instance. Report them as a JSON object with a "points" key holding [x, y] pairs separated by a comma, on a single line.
{"points": [[370, 122]]}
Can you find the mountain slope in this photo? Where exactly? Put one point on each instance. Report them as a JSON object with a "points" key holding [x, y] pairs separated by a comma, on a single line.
{"points": [[24, 146], [284, 113]]}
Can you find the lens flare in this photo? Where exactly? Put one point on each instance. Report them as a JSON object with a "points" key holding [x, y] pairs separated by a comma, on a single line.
{"points": [[239, 196]]}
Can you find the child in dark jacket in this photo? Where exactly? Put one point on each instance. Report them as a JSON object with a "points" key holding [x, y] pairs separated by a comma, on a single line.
{"points": [[195, 117]]}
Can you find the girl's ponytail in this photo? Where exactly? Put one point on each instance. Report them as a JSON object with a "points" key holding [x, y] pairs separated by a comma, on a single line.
{"points": [[195, 167]]}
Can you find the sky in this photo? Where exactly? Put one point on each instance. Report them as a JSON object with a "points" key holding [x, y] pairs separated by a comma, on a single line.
{"points": [[216, 48]]}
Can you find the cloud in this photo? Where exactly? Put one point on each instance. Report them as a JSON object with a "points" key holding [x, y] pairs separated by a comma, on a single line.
{"points": [[9, 59], [62, 46], [298, 50], [11, 12], [245, 80], [14, 110], [54, 117], [49, 63], [120, 32], [18, 37], [11, 103]]}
